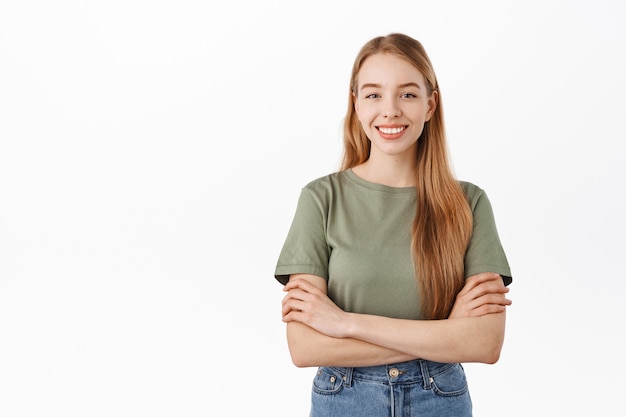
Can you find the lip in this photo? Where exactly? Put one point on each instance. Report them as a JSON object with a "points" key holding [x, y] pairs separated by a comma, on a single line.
{"points": [[393, 132]]}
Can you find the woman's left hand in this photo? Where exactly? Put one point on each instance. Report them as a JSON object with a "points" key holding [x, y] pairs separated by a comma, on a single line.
{"points": [[482, 294], [307, 304]]}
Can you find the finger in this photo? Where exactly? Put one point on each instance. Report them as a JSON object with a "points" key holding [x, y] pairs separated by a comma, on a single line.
{"points": [[477, 280], [483, 277], [491, 298], [487, 287], [491, 287], [487, 300], [298, 304], [299, 283], [296, 294], [291, 305], [293, 315], [487, 309]]}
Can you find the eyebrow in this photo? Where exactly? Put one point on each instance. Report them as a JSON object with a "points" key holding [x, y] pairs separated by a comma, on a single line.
{"points": [[373, 85]]}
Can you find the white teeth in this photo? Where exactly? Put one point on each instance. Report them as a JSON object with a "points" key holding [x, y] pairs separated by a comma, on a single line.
{"points": [[391, 130]]}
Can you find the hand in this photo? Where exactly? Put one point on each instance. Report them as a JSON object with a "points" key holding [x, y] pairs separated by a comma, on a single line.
{"points": [[482, 294], [307, 304]]}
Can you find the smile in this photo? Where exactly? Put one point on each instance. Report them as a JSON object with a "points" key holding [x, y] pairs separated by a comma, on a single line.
{"points": [[391, 130]]}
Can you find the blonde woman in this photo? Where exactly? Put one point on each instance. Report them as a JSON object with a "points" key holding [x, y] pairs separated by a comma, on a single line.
{"points": [[393, 269]]}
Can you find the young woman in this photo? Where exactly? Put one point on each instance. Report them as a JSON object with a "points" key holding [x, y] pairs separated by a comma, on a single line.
{"points": [[393, 270]]}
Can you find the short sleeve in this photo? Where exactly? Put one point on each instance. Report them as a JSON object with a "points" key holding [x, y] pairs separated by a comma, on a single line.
{"points": [[485, 252], [305, 250]]}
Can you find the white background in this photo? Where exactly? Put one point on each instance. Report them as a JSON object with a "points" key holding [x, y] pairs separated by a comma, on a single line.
{"points": [[151, 155]]}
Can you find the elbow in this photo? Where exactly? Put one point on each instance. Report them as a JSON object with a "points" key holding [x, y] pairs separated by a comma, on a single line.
{"points": [[485, 354], [299, 350], [302, 358], [490, 346], [300, 361], [298, 357], [492, 357], [492, 351]]}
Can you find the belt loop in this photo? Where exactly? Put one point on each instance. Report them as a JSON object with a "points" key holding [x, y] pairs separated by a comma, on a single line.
{"points": [[347, 378], [425, 374]]}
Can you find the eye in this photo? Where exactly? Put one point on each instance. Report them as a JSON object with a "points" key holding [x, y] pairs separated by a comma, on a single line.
{"points": [[408, 95], [372, 95]]}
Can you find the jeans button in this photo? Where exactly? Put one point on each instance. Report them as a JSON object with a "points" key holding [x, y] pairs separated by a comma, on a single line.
{"points": [[393, 372]]}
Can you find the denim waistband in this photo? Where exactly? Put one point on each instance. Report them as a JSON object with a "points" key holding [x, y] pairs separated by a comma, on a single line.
{"points": [[410, 372]]}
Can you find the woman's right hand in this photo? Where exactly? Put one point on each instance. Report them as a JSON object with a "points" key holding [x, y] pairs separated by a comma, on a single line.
{"points": [[307, 302], [482, 294]]}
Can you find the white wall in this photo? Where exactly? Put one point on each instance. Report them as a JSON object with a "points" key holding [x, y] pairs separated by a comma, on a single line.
{"points": [[151, 154]]}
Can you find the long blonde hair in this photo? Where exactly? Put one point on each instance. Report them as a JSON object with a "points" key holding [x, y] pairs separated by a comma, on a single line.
{"points": [[443, 221]]}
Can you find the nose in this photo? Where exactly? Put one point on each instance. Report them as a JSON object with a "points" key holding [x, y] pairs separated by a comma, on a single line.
{"points": [[391, 108]]}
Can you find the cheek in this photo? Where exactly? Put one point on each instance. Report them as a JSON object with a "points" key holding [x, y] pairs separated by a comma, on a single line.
{"points": [[358, 114], [365, 123], [363, 115]]}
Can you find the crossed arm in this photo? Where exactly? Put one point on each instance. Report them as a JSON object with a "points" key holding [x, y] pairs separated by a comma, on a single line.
{"points": [[321, 334]]}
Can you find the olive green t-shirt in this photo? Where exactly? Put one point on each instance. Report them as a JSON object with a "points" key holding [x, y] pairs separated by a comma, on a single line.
{"points": [[357, 235]]}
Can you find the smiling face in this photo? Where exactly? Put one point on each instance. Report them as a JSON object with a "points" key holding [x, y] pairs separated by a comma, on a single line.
{"points": [[392, 103]]}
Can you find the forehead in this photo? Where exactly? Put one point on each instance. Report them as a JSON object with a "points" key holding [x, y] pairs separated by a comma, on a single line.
{"points": [[388, 69]]}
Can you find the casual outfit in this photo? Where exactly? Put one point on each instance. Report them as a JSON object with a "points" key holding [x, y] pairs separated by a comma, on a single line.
{"points": [[357, 235]]}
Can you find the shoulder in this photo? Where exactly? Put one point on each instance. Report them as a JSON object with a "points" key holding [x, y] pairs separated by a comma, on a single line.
{"points": [[325, 185], [318, 195], [470, 188], [473, 192]]}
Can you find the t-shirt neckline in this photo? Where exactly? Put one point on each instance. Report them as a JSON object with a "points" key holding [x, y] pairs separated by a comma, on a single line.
{"points": [[376, 186]]}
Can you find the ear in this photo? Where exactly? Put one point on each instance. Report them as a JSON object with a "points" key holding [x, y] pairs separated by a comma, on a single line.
{"points": [[433, 101], [355, 103]]}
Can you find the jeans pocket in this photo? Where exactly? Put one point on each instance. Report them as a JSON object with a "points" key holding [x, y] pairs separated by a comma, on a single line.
{"points": [[328, 381], [450, 382]]}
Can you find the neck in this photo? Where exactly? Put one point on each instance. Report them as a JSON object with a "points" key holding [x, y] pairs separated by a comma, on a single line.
{"points": [[390, 170]]}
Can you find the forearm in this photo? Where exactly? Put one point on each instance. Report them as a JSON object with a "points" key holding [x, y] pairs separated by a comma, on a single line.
{"points": [[309, 347], [469, 339]]}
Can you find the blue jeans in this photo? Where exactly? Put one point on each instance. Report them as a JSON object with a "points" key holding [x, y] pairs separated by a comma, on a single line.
{"points": [[406, 389]]}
